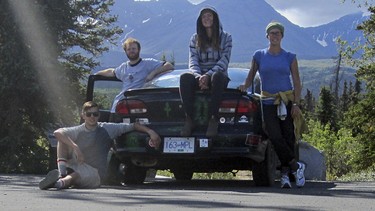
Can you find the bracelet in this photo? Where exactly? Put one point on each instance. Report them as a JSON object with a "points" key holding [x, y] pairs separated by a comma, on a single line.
{"points": [[295, 104]]}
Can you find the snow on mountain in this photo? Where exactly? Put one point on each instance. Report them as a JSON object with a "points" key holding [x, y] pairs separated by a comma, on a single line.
{"points": [[165, 27]]}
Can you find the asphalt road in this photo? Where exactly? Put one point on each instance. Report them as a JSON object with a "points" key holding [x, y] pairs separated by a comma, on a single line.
{"points": [[21, 192]]}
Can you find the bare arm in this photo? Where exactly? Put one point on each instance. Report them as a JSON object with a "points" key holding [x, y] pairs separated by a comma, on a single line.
{"points": [[167, 66], [154, 137], [250, 77], [297, 88], [110, 72], [296, 81], [64, 139]]}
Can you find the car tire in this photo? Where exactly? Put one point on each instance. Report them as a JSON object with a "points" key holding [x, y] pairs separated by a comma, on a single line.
{"points": [[183, 174], [134, 175], [115, 173], [264, 172]]}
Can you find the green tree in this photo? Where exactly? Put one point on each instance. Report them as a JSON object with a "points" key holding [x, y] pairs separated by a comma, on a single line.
{"points": [[323, 138], [360, 118], [344, 100], [326, 109], [47, 47], [309, 102]]}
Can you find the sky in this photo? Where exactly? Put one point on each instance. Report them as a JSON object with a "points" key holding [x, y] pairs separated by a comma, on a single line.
{"points": [[306, 13]]}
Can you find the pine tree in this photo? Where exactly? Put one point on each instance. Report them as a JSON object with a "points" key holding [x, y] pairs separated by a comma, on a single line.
{"points": [[326, 110], [344, 101], [360, 118], [47, 47], [309, 101]]}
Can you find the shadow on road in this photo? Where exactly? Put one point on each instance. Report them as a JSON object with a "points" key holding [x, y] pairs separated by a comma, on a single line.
{"points": [[312, 188]]}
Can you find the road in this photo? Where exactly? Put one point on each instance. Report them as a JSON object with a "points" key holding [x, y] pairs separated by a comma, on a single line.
{"points": [[21, 192]]}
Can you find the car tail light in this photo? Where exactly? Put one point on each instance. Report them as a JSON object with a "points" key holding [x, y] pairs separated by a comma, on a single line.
{"points": [[131, 107], [242, 106], [245, 106]]}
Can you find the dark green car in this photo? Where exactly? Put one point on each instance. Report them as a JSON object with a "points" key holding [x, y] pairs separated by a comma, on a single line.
{"points": [[239, 145]]}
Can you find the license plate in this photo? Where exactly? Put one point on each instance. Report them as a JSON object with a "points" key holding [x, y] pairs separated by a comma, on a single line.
{"points": [[178, 145]]}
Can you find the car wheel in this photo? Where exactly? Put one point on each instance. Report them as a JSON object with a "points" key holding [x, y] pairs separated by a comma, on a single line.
{"points": [[265, 171], [134, 174], [183, 174], [115, 174]]}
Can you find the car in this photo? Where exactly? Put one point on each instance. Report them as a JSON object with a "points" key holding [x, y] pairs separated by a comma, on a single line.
{"points": [[239, 145]]}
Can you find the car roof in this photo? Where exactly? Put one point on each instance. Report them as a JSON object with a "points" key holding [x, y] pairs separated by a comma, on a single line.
{"points": [[172, 78]]}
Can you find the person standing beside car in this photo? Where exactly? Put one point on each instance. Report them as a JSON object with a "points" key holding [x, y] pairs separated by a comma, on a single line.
{"points": [[136, 71], [280, 96], [209, 56], [82, 150]]}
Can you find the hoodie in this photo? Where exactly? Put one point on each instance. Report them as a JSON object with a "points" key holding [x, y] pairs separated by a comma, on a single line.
{"points": [[210, 60]]}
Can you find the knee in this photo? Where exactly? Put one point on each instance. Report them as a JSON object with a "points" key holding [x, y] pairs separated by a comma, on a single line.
{"points": [[217, 75], [62, 150], [185, 77], [219, 79]]}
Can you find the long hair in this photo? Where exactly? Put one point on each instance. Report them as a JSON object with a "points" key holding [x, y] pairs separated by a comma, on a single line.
{"points": [[204, 41]]}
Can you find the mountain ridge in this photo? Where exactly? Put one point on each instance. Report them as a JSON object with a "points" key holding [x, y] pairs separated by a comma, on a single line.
{"points": [[164, 27]]}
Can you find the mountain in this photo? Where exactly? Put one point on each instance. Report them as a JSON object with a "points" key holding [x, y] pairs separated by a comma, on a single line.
{"points": [[345, 28], [165, 27]]}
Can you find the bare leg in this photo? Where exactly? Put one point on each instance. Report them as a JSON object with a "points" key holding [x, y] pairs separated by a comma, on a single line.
{"points": [[69, 180], [62, 158]]}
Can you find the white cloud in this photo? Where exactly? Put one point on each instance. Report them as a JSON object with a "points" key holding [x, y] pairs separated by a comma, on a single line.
{"points": [[311, 12], [196, 1]]}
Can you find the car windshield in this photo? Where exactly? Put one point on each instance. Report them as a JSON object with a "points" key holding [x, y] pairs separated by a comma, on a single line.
{"points": [[172, 79]]}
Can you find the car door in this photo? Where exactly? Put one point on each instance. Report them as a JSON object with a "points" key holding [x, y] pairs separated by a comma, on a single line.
{"points": [[103, 90]]}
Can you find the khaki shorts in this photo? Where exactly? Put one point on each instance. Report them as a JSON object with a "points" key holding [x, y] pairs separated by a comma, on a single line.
{"points": [[89, 176]]}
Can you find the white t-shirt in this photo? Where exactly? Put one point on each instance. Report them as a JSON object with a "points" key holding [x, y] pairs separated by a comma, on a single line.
{"points": [[134, 76]]}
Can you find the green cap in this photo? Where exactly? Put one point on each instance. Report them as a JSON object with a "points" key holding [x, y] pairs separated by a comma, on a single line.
{"points": [[275, 25]]}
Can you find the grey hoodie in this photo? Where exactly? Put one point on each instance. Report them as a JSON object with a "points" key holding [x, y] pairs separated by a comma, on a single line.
{"points": [[210, 60]]}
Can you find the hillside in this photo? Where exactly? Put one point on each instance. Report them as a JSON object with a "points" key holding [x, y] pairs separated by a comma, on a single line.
{"points": [[165, 27], [316, 74]]}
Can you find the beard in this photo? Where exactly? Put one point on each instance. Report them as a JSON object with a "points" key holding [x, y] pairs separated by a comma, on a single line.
{"points": [[133, 57]]}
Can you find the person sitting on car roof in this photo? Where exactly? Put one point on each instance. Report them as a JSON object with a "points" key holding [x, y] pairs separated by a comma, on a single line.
{"points": [[209, 55], [135, 72], [82, 150]]}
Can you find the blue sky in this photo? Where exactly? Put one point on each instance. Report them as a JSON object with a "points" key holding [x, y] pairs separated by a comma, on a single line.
{"points": [[307, 13]]}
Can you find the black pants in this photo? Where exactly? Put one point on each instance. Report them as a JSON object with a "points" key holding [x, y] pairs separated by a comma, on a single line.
{"points": [[189, 84], [281, 133]]}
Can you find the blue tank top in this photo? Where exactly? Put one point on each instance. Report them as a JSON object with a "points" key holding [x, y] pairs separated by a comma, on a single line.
{"points": [[274, 71]]}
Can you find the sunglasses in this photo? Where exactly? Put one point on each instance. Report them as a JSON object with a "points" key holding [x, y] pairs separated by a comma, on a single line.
{"points": [[89, 114], [275, 33]]}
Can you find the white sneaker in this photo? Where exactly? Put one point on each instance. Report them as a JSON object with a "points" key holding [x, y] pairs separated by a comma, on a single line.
{"points": [[50, 180], [285, 182], [300, 175]]}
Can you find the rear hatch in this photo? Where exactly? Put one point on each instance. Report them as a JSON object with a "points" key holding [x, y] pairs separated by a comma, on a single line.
{"points": [[162, 110]]}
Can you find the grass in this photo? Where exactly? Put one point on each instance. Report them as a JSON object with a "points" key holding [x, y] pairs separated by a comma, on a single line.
{"points": [[363, 176], [216, 175]]}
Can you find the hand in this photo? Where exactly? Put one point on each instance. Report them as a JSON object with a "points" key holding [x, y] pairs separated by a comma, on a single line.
{"points": [[203, 82], [79, 154], [295, 111], [243, 88], [154, 139]]}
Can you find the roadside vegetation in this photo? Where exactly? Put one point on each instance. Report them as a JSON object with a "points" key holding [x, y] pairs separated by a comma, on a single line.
{"points": [[41, 75]]}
